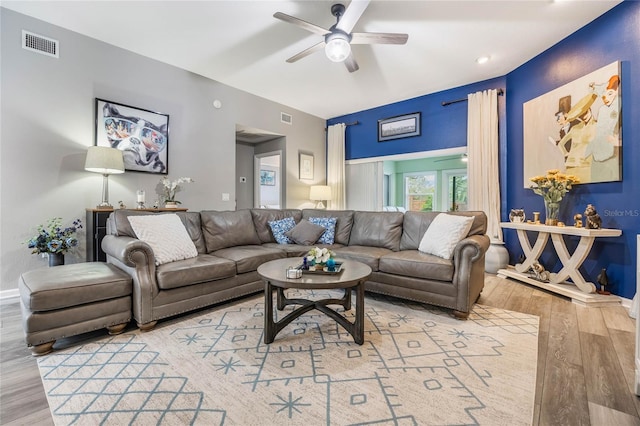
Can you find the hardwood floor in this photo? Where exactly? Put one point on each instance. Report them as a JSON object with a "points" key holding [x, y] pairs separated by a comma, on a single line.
{"points": [[585, 375]]}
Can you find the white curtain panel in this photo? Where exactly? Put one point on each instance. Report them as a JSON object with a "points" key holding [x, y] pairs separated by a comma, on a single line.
{"points": [[364, 186], [482, 147], [336, 165]]}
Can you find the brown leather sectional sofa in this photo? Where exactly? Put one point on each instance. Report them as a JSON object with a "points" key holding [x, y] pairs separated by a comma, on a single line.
{"points": [[232, 244]]}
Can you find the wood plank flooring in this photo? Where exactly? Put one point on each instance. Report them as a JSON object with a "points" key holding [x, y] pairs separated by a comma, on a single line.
{"points": [[585, 374]]}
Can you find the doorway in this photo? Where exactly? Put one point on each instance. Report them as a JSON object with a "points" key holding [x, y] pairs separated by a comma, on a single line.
{"points": [[267, 186], [253, 144]]}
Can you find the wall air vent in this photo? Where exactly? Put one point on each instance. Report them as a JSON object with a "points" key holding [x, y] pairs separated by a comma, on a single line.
{"points": [[40, 44], [286, 118]]}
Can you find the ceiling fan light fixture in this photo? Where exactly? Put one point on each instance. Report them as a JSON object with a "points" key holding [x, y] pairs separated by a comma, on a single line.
{"points": [[337, 47]]}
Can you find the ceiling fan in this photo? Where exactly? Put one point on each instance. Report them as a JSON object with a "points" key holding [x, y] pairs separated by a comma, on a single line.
{"points": [[339, 38]]}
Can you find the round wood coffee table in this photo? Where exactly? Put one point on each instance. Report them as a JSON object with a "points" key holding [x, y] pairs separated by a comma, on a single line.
{"points": [[352, 276]]}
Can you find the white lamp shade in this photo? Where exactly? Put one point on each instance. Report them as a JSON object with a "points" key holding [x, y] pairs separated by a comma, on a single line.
{"points": [[320, 193], [105, 160]]}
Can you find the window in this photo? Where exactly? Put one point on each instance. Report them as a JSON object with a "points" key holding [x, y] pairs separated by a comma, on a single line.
{"points": [[454, 190], [420, 191]]}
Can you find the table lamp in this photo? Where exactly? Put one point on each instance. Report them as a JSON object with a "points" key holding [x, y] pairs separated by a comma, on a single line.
{"points": [[320, 193], [105, 160]]}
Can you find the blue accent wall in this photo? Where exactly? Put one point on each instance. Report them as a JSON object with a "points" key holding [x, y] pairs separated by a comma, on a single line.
{"points": [[442, 127], [615, 36]]}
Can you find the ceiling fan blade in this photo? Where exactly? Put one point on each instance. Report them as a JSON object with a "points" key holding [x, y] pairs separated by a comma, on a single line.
{"points": [[302, 24], [351, 15], [351, 63], [379, 38], [306, 52]]}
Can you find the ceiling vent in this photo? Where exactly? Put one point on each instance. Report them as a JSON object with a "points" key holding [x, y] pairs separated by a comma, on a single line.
{"points": [[40, 44], [286, 118]]}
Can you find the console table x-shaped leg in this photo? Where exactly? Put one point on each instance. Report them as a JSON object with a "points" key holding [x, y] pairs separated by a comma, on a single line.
{"points": [[571, 262]]}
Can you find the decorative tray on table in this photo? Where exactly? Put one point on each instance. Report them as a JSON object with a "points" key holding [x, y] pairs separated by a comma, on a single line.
{"points": [[324, 270]]}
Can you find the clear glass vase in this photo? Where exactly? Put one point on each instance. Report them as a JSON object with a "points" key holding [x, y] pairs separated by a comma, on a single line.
{"points": [[551, 210]]}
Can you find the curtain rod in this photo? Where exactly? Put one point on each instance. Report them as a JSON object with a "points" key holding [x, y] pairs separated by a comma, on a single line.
{"points": [[500, 93], [347, 124]]}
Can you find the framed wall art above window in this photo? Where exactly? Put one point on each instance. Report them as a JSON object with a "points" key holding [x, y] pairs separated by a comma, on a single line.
{"points": [[401, 126], [141, 135]]}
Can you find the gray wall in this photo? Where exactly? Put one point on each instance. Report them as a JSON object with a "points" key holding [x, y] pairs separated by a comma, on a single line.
{"points": [[47, 122], [244, 167]]}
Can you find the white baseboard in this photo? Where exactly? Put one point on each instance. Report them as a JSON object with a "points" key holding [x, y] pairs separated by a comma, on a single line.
{"points": [[9, 294]]}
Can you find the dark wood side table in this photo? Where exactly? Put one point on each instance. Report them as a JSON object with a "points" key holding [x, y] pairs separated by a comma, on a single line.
{"points": [[353, 276], [96, 229]]}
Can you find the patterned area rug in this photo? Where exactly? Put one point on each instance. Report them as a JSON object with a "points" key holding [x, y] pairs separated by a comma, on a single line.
{"points": [[418, 365]]}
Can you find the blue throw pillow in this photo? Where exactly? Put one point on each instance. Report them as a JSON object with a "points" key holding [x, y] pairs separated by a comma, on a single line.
{"points": [[328, 223], [279, 227]]}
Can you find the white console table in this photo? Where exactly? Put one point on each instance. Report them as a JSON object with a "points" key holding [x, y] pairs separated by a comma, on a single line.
{"points": [[579, 290]]}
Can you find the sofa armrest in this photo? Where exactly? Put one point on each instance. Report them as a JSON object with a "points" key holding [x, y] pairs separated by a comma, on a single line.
{"points": [[136, 258], [468, 258], [470, 249]]}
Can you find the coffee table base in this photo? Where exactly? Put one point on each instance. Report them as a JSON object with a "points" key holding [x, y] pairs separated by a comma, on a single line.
{"points": [[272, 328]]}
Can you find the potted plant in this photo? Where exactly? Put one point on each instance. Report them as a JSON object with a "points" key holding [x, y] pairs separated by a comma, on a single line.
{"points": [[170, 188], [54, 240], [553, 187]]}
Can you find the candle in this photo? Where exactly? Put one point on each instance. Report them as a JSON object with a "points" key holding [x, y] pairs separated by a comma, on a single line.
{"points": [[140, 196]]}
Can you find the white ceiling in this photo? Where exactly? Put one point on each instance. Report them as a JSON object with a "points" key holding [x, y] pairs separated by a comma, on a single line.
{"points": [[240, 44]]}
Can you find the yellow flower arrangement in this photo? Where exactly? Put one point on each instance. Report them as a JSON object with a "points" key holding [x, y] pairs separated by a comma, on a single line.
{"points": [[554, 185]]}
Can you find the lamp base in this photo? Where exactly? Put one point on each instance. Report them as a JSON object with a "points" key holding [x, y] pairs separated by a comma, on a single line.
{"points": [[104, 206], [321, 205]]}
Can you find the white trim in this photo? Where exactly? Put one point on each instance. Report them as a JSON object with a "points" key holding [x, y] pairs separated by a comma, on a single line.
{"points": [[9, 294], [411, 155]]}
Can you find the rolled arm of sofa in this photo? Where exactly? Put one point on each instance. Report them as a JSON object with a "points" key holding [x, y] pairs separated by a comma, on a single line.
{"points": [[136, 258], [468, 259]]}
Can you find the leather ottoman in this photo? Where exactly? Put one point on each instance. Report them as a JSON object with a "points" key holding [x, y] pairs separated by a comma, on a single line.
{"points": [[68, 300]]}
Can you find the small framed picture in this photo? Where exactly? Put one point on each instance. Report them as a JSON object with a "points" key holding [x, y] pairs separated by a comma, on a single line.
{"points": [[267, 178], [141, 135], [401, 126], [306, 166]]}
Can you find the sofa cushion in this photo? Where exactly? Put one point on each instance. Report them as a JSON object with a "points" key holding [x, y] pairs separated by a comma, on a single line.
{"points": [[279, 229], [297, 250], [248, 258], [120, 225], [416, 223], [377, 229], [344, 222], [224, 229], [412, 263], [367, 255], [166, 235], [196, 270], [444, 233], [329, 224], [262, 217], [305, 233]]}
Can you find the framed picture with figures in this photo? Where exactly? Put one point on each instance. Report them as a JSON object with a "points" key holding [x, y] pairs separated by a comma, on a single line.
{"points": [[142, 135]]}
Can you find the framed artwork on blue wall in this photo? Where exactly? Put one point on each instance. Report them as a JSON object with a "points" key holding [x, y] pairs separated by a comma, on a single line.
{"points": [[141, 135], [576, 129], [401, 126]]}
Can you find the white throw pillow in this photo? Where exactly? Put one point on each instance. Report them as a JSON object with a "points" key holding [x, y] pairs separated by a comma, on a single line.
{"points": [[166, 235], [444, 233]]}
